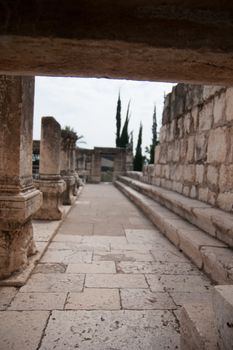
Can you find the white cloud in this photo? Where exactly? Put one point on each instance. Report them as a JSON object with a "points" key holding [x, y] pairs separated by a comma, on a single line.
{"points": [[89, 106]]}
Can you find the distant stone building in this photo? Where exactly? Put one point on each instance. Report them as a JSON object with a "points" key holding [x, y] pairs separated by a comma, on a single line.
{"points": [[103, 163]]}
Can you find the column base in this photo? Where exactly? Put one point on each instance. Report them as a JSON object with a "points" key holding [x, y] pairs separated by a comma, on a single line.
{"points": [[68, 195], [16, 232], [52, 208]]}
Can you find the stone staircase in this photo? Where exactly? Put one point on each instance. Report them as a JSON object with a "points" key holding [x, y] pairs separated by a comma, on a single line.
{"points": [[205, 235]]}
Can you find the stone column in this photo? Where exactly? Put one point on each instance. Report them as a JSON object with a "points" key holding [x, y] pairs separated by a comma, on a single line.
{"points": [[19, 199], [67, 176], [50, 182], [73, 166]]}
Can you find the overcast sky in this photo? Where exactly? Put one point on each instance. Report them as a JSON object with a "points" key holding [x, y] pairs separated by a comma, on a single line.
{"points": [[89, 106]]}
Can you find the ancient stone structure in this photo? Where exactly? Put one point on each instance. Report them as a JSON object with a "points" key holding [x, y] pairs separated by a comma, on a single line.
{"points": [[195, 155], [50, 182], [103, 163], [19, 199], [68, 166], [147, 40]]}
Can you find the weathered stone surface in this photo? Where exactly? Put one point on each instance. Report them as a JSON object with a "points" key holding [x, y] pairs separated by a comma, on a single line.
{"points": [[223, 310], [67, 256], [206, 117], [183, 298], [6, 296], [95, 267], [13, 325], [180, 283], [118, 280], [229, 104], [122, 255], [54, 283], [144, 299], [38, 301], [219, 109], [200, 147], [94, 299], [218, 264], [126, 329], [198, 327], [18, 198], [217, 146]]}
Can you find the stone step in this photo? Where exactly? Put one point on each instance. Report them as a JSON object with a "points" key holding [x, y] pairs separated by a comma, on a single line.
{"points": [[208, 253], [215, 222], [198, 327], [223, 310]]}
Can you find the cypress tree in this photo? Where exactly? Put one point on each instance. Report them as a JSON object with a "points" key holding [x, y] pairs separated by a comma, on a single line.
{"points": [[154, 137], [124, 139], [118, 121], [138, 159]]}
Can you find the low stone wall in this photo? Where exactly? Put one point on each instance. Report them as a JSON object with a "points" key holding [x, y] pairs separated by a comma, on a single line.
{"points": [[195, 155]]}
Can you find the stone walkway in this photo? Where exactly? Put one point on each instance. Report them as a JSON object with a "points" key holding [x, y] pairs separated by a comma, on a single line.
{"points": [[109, 281]]}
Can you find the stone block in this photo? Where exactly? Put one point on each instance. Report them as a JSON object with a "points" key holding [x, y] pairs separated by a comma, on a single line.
{"points": [[217, 146], [176, 150], [200, 147], [162, 134], [223, 309], [187, 123], [144, 299], [180, 127], [193, 192], [203, 194], [190, 150], [226, 178], [157, 170], [200, 171], [206, 116], [94, 267], [38, 301], [183, 149], [189, 173], [177, 186], [118, 280], [186, 191], [229, 104], [22, 330], [94, 299], [6, 296], [163, 153], [198, 327], [195, 117], [210, 90], [212, 176], [157, 154], [225, 201], [219, 108]]}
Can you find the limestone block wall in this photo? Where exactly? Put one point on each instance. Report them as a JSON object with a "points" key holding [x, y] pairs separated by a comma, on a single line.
{"points": [[195, 155]]}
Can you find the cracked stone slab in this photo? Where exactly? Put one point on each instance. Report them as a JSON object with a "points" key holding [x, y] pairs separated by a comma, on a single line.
{"points": [[38, 301], [157, 268], [6, 295], [179, 283], [21, 329], [115, 281], [67, 256], [144, 299], [54, 283], [181, 298], [122, 255], [78, 246], [168, 255], [105, 330], [94, 267], [94, 299], [50, 268]]}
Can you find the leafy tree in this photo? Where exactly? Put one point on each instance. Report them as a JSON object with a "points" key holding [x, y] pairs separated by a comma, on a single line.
{"points": [[118, 121], [138, 159], [124, 138]]}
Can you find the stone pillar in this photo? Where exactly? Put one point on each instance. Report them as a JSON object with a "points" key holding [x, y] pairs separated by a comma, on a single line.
{"points": [[73, 166], [66, 173], [19, 199], [50, 182]]}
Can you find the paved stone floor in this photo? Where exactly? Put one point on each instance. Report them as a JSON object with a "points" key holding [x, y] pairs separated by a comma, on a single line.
{"points": [[108, 281]]}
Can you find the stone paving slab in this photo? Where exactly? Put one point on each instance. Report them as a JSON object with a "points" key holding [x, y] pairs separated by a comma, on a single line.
{"points": [[38, 301], [67, 256], [94, 267], [175, 268], [54, 283], [22, 329], [109, 229], [70, 227], [50, 268], [105, 330], [78, 246], [122, 255], [182, 298], [94, 299], [182, 283], [169, 255], [6, 295], [115, 281], [144, 299]]}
